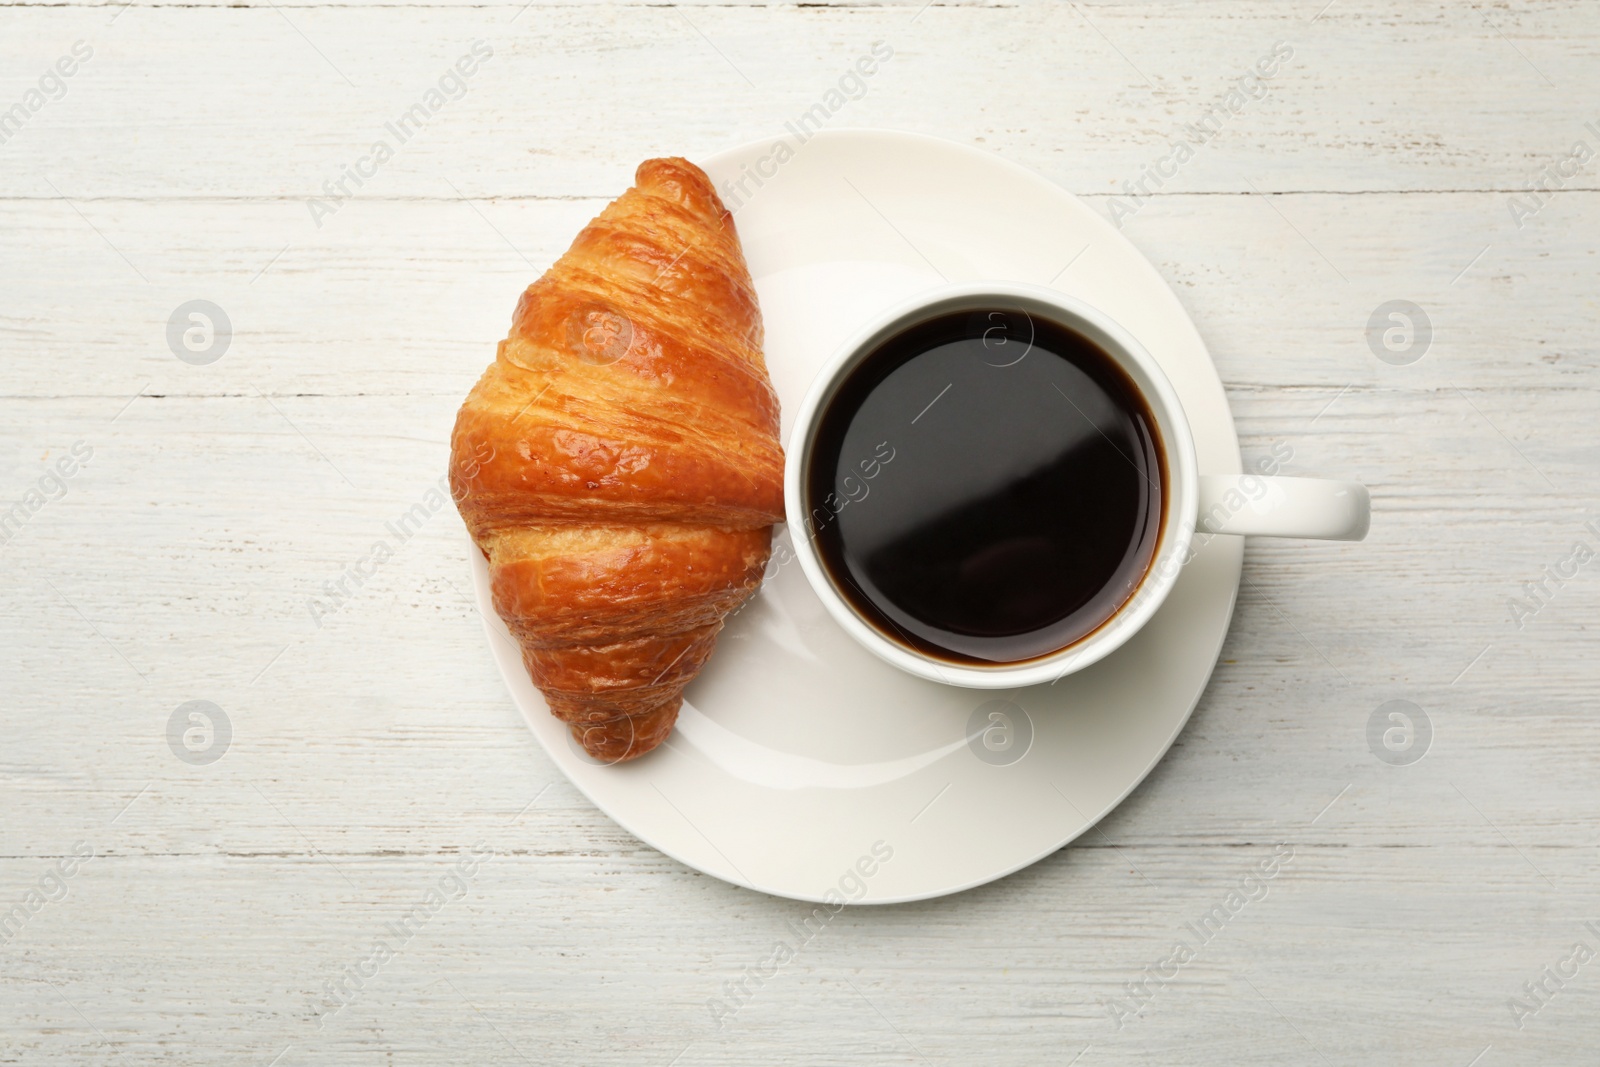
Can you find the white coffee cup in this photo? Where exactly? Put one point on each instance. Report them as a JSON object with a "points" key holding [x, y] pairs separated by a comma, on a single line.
{"points": [[1213, 504]]}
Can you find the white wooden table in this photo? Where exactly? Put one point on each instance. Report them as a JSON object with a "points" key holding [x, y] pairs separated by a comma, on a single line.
{"points": [[372, 746]]}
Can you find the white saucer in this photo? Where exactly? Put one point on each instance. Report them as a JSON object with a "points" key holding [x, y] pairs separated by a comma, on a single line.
{"points": [[797, 751]]}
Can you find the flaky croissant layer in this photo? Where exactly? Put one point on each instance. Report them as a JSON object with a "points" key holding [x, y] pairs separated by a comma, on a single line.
{"points": [[618, 464]]}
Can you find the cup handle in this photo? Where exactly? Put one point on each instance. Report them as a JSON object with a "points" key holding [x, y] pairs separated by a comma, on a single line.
{"points": [[1287, 507]]}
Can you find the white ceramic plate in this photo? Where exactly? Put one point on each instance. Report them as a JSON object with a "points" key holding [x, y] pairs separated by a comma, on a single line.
{"points": [[800, 761]]}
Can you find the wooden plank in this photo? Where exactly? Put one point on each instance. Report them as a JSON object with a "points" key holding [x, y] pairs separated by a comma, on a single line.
{"points": [[409, 297], [265, 103]]}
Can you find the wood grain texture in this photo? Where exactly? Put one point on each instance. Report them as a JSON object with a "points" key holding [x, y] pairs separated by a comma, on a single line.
{"points": [[374, 745]]}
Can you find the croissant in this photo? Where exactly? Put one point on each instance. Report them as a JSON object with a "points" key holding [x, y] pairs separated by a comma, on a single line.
{"points": [[618, 464]]}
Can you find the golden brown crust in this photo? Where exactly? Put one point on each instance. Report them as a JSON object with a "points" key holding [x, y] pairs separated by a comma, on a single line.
{"points": [[618, 464]]}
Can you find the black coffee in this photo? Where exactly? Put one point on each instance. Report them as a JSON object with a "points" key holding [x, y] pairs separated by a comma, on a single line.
{"points": [[986, 487]]}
